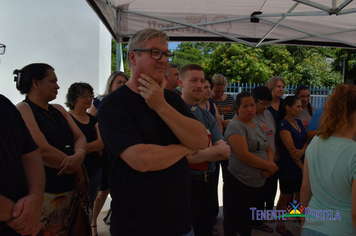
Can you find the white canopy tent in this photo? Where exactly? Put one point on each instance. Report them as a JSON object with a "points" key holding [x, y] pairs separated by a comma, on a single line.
{"points": [[328, 23]]}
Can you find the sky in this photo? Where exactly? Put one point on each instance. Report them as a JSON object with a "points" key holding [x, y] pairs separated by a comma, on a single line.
{"points": [[172, 45]]}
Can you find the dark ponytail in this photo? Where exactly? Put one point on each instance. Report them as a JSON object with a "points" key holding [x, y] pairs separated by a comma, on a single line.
{"points": [[24, 77], [296, 93], [290, 101]]}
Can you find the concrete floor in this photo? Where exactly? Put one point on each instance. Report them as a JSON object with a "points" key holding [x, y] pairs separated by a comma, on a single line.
{"points": [[103, 229]]}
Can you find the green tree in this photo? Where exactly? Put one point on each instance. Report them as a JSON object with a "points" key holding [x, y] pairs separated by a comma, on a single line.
{"points": [[187, 53], [241, 63], [124, 56], [313, 66], [347, 56]]}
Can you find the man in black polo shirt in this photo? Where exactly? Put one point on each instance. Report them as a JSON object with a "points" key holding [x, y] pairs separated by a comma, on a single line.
{"points": [[147, 132], [21, 174]]}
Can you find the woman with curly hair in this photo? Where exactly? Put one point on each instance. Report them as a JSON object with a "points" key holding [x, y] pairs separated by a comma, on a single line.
{"points": [[329, 174]]}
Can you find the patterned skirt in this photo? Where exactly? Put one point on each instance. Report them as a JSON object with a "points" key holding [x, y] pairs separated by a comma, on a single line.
{"points": [[55, 213]]}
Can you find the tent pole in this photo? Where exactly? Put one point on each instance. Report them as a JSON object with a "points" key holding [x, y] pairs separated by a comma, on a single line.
{"points": [[119, 60]]}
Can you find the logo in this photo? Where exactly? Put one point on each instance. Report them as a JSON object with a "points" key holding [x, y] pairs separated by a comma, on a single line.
{"points": [[222, 27], [268, 131], [295, 209]]}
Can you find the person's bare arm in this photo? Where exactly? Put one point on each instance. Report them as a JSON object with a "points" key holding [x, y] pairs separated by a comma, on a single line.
{"points": [[288, 142], [225, 123], [219, 151], [217, 117], [353, 203], [97, 145], [305, 190], [6, 207], [92, 110], [239, 145], [312, 133], [150, 157], [28, 210], [72, 163], [270, 154], [51, 156], [190, 132]]}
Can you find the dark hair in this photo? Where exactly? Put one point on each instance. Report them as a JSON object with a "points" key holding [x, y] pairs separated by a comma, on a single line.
{"points": [[188, 68], [171, 65], [207, 78], [262, 93], [296, 93], [24, 77], [75, 91], [242, 95], [288, 101]]}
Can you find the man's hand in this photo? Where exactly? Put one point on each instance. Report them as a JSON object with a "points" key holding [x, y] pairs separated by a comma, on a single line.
{"points": [[27, 215], [152, 92], [225, 151]]}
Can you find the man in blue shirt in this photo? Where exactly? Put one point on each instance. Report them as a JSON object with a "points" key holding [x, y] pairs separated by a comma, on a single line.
{"points": [[202, 164]]}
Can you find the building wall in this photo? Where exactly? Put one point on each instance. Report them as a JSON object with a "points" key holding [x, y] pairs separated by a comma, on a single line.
{"points": [[65, 34]]}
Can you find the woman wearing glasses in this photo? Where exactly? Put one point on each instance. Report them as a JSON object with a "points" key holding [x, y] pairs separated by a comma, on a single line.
{"points": [[79, 99], [265, 119], [61, 143]]}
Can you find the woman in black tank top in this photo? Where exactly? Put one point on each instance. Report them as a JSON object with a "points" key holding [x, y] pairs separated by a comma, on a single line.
{"points": [[61, 143]]}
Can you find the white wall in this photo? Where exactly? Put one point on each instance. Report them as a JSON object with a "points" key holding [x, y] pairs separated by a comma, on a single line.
{"points": [[65, 34]]}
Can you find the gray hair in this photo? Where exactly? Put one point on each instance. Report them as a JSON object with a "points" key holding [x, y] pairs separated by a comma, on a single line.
{"points": [[141, 37], [171, 65], [111, 80]]}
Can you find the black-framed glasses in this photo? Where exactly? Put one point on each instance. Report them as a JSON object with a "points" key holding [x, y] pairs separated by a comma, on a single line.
{"points": [[2, 49], [87, 96], [156, 53], [264, 104]]}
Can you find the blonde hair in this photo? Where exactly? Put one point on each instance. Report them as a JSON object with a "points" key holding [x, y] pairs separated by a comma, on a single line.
{"points": [[272, 82], [218, 80], [337, 110], [111, 80]]}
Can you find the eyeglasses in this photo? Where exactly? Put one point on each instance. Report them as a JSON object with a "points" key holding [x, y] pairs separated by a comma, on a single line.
{"points": [[2, 49], [87, 96], [264, 105], [157, 54]]}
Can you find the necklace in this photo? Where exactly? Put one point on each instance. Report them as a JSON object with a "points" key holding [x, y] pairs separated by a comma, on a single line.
{"points": [[295, 125]]}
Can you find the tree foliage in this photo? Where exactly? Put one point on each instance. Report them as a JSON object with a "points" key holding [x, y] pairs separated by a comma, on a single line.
{"points": [[124, 57], [245, 64], [312, 66]]}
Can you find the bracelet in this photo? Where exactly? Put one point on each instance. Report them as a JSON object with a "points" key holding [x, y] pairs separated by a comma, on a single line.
{"points": [[79, 149]]}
